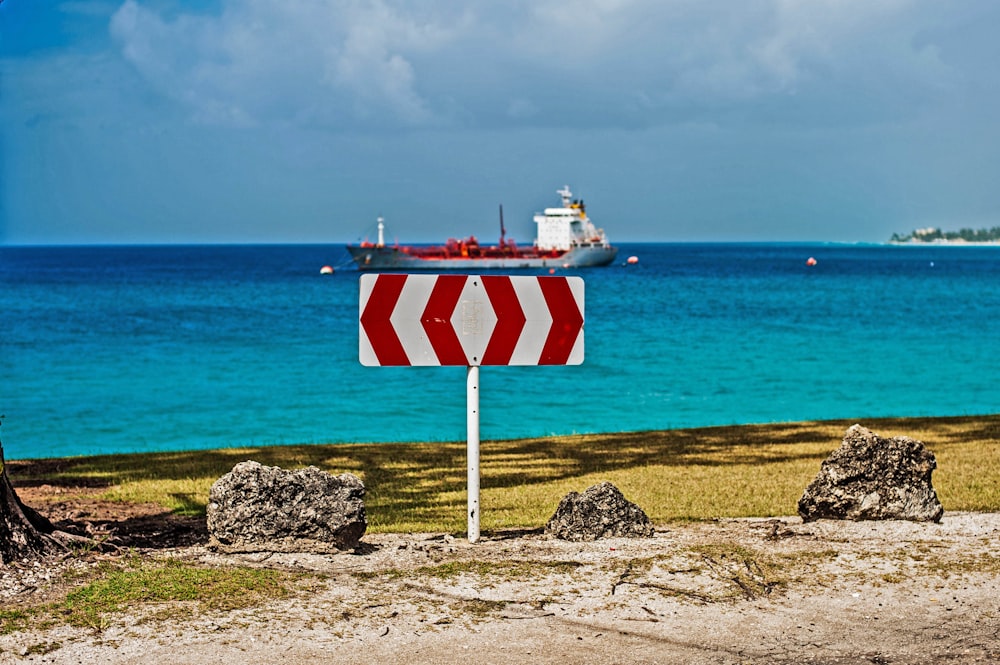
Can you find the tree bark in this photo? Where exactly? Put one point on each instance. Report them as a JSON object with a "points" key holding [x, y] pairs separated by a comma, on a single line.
{"points": [[24, 534]]}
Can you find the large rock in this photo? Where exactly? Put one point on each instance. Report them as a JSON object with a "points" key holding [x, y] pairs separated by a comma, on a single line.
{"points": [[256, 508], [872, 478], [600, 512]]}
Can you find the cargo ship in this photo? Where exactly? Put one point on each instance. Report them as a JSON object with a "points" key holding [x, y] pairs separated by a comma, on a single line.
{"points": [[565, 238]]}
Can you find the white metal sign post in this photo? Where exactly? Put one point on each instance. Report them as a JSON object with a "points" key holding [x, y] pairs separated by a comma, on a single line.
{"points": [[470, 320], [472, 427]]}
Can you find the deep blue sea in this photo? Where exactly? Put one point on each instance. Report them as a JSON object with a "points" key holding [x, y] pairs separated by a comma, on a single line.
{"points": [[152, 348]]}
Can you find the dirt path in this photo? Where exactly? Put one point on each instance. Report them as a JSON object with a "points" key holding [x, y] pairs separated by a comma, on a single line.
{"points": [[732, 591]]}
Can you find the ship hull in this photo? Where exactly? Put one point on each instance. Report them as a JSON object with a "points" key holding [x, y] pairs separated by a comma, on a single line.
{"points": [[398, 258]]}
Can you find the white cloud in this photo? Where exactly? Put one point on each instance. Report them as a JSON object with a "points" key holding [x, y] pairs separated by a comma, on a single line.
{"points": [[383, 63], [324, 61], [369, 63]]}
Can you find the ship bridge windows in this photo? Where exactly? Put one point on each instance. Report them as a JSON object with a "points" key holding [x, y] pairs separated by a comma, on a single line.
{"points": [[554, 234]]}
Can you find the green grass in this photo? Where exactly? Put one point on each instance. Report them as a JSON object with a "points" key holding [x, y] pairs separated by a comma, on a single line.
{"points": [[674, 475], [175, 585]]}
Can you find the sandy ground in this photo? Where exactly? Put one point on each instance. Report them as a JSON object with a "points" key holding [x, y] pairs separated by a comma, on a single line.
{"points": [[730, 591]]}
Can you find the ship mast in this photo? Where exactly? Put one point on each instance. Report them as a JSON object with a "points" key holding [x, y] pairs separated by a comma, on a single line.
{"points": [[503, 231], [566, 194]]}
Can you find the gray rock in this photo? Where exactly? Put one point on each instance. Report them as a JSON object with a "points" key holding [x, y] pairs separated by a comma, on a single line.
{"points": [[873, 478], [600, 512], [256, 508]]}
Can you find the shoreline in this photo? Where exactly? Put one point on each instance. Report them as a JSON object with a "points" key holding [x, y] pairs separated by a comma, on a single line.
{"points": [[946, 243]]}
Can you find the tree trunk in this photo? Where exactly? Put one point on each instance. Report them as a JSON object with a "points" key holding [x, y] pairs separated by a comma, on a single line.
{"points": [[24, 534]]}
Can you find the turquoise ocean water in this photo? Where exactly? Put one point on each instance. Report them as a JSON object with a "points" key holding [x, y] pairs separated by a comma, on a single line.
{"points": [[129, 349]]}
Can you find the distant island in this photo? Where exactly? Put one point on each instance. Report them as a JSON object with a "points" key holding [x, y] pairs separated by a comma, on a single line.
{"points": [[934, 235]]}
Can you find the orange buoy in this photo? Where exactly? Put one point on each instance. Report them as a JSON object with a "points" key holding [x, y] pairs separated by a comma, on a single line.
{"points": [[326, 270], [552, 271], [632, 259], [810, 261]]}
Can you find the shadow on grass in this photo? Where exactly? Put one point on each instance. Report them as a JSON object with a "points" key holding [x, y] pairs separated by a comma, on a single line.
{"points": [[560, 457], [427, 480]]}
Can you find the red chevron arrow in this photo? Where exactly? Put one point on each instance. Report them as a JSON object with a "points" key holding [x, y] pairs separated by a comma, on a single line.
{"points": [[436, 319], [375, 320], [567, 321], [510, 320]]}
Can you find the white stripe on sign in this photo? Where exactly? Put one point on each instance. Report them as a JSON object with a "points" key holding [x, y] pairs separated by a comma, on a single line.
{"points": [[537, 322], [410, 308]]}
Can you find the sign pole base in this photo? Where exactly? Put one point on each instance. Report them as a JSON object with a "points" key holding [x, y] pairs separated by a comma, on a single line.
{"points": [[472, 395]]}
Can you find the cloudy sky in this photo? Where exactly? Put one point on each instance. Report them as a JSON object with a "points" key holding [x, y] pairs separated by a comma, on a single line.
{"points": [[675, 120]]}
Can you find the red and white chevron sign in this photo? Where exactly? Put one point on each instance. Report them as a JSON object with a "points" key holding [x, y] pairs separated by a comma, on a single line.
{"points": [[470, 320]]}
